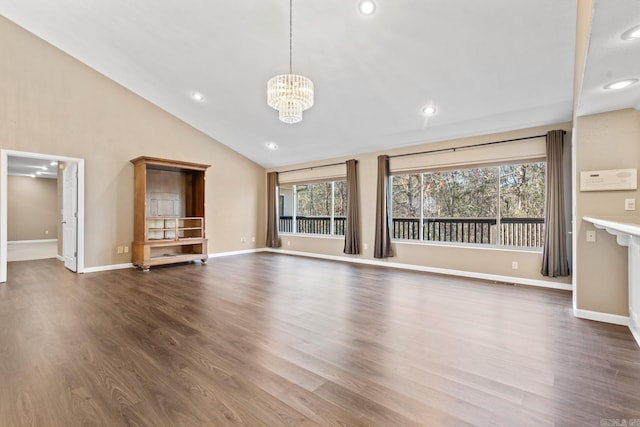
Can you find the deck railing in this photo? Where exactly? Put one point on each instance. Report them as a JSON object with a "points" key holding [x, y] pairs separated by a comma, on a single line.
{"points": [[522, 232], [312, 225], [526, 232]]}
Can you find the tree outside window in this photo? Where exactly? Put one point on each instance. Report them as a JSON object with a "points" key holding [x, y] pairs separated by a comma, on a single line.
{"points": [[499, 205], [314, 208]]}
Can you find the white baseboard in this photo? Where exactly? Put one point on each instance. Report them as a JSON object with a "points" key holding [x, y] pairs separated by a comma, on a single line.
{"points": [[17, 242], [635, 333], [60, 258], [246, 251], [598, 316], [462, 273], [130, 265], [107, 267]]}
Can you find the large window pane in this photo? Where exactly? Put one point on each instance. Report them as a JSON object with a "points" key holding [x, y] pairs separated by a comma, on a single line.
{"points": [[286, 208], [340, 206], [522, 204], [461, 205], [406, 195], [313, 208], [498, 205]]}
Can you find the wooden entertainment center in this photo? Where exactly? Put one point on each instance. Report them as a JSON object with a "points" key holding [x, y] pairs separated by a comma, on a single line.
{"points": [[168, 212]]}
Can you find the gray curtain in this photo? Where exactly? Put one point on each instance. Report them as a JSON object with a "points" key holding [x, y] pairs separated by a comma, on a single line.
{"points": [[273, 239], [352, 224], [382, 246], [554, 256]]}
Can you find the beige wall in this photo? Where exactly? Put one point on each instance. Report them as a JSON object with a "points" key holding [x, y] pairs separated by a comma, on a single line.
{"points": [[32, 208], [604, 141], [478, 260], [53, 104]]}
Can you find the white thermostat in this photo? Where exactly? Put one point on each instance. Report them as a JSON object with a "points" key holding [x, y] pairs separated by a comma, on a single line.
{"points": [[609, 180]]}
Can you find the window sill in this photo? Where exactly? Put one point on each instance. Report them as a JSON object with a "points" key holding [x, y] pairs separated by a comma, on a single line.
{"points": [[316, 236], [467, 246]]}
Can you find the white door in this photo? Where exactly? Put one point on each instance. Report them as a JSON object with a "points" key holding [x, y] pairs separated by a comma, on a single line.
{"points": [[70, 215]]}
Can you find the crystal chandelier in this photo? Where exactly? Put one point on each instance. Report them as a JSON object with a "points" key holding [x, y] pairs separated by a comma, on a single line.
{"points": [[290, 94]]}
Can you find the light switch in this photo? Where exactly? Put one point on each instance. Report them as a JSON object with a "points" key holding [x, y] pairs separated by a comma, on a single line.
{"points": [[591, 235], [629, 204]]}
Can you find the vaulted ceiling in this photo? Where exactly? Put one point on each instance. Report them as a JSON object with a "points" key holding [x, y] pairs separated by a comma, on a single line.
{"points": [[488, 66]]}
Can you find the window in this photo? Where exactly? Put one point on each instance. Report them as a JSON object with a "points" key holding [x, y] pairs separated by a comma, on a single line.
{"points": [[495, 205], [313, 208]]}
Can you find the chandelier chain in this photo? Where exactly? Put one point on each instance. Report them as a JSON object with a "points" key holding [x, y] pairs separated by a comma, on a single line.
{"points": [[290, 36]]}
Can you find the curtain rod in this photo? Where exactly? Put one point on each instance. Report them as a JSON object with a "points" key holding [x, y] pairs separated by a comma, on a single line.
{"points": [[469, 146], [312, 167], [427, 152]]}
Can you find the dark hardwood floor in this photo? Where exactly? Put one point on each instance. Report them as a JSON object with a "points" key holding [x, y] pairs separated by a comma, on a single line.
{"points": [[272, 340]]}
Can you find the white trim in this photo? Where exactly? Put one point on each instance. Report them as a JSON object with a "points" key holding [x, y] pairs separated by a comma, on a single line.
{"points": [[18, 242], [574, 223], [4, 166], [246, 251], [635, 333], [60, 258], [130, 265], [107, 267], [80, 224], [4, 160], [470, 274], [598, 316], [479, 246]]}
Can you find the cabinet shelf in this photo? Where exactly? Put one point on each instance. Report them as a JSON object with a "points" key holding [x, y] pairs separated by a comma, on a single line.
{"points": [[169, 224], [172, 228]]}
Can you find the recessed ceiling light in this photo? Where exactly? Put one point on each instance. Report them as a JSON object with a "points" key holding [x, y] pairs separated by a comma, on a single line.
{"points": [[53, 163], [271, 145], [39, 173], [367, 7], [621, 84], [429, 110], [197, 96], [632, 33]]}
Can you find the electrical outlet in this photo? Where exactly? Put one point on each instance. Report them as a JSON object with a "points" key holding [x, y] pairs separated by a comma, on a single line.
{"points": [[365, 246], [591, 236], [514, 265], [46, 232], [629, 204], [119, 250], [288, 242], [253, 239]]}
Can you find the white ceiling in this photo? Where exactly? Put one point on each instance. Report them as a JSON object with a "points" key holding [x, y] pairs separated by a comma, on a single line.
{"points": [[610, 58], [489, 66]]}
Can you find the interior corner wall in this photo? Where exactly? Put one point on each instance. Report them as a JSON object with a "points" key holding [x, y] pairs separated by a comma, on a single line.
{"points": [[54, 104], [604, 141], [475, 260], [31, 208]]}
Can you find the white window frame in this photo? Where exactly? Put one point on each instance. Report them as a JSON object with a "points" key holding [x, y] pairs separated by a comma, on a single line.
{"points": [[294, 215], [496, 245]]}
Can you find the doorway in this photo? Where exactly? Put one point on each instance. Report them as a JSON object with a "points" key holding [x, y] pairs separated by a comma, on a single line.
{"points": [[72, 208]]}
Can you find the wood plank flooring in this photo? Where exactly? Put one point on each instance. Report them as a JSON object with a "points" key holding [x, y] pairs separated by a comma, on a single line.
{"points": [[275, 340]]}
